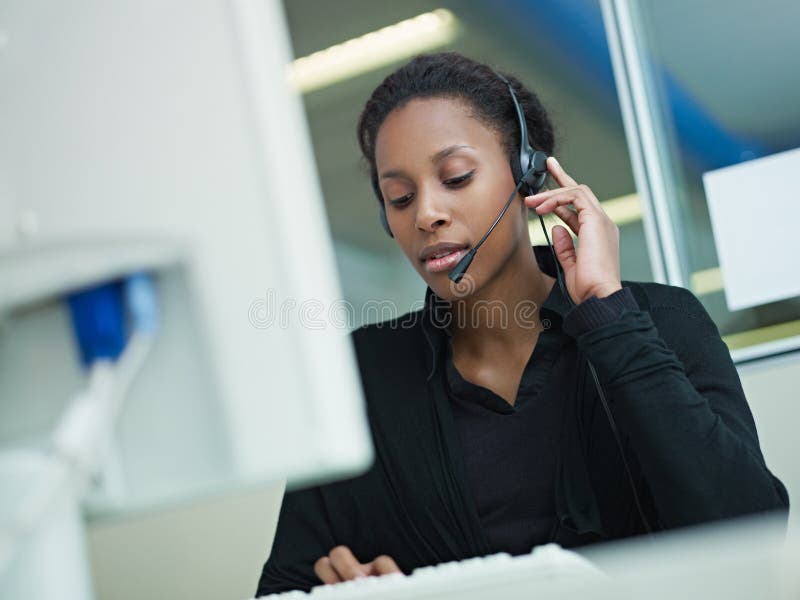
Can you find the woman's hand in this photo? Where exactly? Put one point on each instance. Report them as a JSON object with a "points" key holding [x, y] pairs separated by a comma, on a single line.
{"points": [[340, 565], [594, 269]]}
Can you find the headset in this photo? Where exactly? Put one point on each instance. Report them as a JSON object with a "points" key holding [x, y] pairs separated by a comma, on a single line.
{"points": [[530, 173]]}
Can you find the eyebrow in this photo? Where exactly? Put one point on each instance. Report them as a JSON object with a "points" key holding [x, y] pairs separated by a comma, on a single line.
{"points": [[441, 154]]}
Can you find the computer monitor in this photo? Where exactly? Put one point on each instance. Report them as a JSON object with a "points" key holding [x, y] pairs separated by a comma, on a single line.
{"points": [[163, 137]]}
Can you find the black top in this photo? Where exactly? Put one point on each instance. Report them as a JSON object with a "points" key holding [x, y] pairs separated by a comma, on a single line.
{"points": [[686, 429], [510, 452]]}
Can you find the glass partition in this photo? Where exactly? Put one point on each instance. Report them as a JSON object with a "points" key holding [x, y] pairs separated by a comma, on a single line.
{"points": [[710, 94]]}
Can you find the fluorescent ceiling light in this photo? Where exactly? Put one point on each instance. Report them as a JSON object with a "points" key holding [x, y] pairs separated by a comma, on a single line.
{"points": [[373, 50]]}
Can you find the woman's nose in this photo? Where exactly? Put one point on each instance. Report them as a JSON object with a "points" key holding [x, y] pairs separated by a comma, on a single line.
{"points": [[432, 212]]}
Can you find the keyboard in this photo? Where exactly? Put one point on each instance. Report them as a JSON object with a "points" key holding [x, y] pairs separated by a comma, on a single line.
{"points": [[548, 570], [737, 560]]}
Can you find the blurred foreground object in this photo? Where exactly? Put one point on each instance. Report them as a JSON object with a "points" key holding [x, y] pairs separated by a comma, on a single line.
{"points": [[162, 138]]}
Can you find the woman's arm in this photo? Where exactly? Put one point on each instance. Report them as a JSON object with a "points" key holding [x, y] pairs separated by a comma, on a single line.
{"points": [[668, 375], [675, 393]]}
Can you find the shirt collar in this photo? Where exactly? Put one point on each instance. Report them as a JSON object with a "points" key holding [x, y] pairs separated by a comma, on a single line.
{"points": [[436, 310]]}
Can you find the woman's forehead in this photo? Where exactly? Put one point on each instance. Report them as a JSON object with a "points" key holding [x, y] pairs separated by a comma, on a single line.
{"points": [[426, 128]]}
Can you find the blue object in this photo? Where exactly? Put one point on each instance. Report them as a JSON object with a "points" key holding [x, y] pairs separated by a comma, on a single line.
{"points": [[98, 320], [99, 316]]}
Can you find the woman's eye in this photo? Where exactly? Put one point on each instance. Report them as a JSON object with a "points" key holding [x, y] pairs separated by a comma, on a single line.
{"points": [[401, 201], [456, 181]]}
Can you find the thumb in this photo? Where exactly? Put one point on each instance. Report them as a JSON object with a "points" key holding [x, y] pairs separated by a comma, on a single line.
{"points": [[564, 247]]}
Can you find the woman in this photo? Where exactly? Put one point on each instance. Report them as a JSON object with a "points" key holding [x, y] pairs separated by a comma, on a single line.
{"points": [[490, 432]]}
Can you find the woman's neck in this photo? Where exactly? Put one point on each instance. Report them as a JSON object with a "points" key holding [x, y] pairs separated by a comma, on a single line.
{"points": [[504, 315]]}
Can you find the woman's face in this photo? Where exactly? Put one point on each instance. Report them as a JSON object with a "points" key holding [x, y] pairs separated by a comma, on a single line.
{"points": [[445, 177]]}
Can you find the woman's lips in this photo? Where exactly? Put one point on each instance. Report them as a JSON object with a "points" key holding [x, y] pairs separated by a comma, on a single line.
{"points": [[445, 263]]}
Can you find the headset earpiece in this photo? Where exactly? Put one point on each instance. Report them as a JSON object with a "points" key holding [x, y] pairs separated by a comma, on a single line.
{"points": [[532, 169], [536, 174]]}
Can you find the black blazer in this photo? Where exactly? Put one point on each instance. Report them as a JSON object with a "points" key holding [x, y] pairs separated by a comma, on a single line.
{"points": [[686, 428]]}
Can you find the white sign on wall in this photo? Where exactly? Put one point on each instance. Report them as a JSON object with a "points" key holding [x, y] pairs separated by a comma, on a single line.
{"points": [[755, 217]]}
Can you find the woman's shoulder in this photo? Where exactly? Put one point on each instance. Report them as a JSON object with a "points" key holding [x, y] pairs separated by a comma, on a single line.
{"points": [[678, 315], [657, 297]]}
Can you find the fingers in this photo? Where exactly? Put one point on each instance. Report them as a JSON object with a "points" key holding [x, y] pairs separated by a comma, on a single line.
{"points": [[567, 183], [580, 195], [558, 173], [564, 247], [325, 571], [383, 565], [569, 216], [560, 201], [341, 565], [345, 564]]}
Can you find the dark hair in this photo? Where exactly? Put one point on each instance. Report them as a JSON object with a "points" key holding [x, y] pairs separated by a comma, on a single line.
{"points": [[452, 75]]}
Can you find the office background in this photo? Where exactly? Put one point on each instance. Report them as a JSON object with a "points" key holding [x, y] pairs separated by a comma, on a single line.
{"points": [[722, 90]]}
